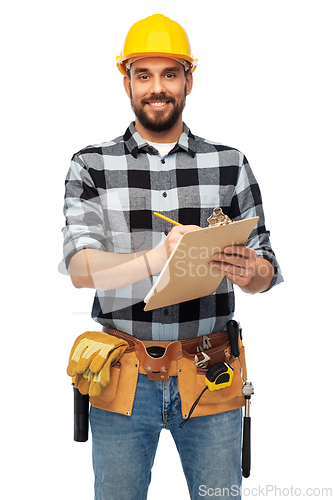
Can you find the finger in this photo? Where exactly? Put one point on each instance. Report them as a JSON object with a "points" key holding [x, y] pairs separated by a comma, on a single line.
{"points": [[231, 270], [236, 265], [82, 384], [174, 236], [183, 229], [239, 256], [240, 250], [190, 227], [84, 362], [237, 279], [231, 260], [225, 267]]}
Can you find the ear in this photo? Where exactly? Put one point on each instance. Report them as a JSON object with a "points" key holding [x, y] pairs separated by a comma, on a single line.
{"points": [[127, 85], [189, 82]]}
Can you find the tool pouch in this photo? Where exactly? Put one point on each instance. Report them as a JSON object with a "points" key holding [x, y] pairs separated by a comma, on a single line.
{"points": [[119, 396], [191, 382]]}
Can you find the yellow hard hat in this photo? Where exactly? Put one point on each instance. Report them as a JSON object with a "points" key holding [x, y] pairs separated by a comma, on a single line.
{"points": [[156, 36]]}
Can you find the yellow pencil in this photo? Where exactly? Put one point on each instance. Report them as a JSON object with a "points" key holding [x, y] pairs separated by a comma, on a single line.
{"points": [[167, 218]]}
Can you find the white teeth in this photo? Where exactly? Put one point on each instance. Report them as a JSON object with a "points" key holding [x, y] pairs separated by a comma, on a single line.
{"points": [[157, 104]]}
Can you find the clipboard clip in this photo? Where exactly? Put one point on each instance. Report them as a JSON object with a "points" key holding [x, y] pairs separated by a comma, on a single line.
{"points": [[218, 218]]}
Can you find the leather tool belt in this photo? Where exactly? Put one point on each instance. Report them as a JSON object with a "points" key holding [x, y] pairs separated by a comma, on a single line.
{"points": [[182, 358]]}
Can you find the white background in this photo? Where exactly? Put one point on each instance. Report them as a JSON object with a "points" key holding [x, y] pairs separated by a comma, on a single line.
{"points": [[263, 85]]}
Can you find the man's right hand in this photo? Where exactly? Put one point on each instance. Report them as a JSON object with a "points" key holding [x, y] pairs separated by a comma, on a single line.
{"points": [[174, 236]]}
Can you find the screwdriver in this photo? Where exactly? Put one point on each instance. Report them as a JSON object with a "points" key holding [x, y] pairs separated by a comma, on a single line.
{"points": [[233, 335]]}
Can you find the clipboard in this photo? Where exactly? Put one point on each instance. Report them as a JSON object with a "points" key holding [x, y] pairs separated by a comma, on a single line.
{"points": [[187, 275]]}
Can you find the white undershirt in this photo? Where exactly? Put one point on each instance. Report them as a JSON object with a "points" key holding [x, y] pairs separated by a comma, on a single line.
{"points": [[163, 148]]}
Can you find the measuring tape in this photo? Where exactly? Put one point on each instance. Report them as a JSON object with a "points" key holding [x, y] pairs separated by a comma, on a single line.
{"points": [[219, 376]]}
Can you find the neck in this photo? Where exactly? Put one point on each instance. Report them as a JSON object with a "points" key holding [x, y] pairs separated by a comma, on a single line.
{"points": [[167, 136]]}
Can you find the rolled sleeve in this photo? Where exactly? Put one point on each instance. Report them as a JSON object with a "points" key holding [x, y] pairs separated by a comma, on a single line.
{"points": [[83, 213]]}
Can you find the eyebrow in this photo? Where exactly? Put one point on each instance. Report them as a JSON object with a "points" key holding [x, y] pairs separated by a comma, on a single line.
{"points": [[147, 70]]}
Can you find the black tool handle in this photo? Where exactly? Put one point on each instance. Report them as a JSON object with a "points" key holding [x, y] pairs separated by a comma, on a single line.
{"points": [[233, 335], [246, 451], [81, 416]]}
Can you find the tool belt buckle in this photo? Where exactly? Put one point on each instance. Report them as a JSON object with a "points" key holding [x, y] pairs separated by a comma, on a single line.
{"points": [[157, 367]]}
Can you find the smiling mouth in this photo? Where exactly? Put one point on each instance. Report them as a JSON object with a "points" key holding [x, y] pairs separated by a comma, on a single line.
{"points": [[158, 104]]}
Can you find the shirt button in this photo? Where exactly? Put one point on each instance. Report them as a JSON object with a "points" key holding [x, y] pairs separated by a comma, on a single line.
{"points": [[163, 161], [166, 232], [165, 194]]}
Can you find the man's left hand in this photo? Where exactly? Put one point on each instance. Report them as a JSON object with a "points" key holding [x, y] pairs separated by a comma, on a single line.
{"points": [[237, 262]]}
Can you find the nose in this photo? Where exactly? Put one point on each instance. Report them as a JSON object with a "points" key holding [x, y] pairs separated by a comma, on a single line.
{"points": [[158, 85]]}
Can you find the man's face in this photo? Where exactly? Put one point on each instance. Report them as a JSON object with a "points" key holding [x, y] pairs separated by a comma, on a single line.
{"points": [[158, 88]]}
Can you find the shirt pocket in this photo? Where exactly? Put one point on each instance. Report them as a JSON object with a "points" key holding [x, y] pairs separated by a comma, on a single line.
{"points": [[199, 207]]}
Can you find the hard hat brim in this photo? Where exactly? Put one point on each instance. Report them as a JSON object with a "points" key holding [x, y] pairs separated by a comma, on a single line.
{"points": [[121, 60]]}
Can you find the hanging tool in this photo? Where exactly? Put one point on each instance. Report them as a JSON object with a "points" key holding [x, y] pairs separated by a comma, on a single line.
{"points": [[234, 337], [246, 450], [236, 342], [206, 344], [81, 416], [204, 362]]}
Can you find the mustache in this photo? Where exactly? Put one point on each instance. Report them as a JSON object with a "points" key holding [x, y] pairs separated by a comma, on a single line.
{"points": [[158, 97]]}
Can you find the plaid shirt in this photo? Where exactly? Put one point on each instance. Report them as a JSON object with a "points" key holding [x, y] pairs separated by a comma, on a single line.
{"points": [[112, 190]]}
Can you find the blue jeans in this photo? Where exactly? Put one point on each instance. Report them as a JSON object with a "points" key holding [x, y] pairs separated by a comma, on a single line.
{"points": [[124, 447]]}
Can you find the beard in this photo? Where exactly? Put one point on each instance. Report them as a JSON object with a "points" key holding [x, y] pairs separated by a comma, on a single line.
{"points": [[159, 121]]}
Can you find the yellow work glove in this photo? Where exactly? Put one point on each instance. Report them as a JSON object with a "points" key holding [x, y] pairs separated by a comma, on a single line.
{"points": [[90, 360], [89, 383]]}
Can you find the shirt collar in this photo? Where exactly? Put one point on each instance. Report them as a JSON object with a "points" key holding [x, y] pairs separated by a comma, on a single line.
{"points": [[134, 142]]}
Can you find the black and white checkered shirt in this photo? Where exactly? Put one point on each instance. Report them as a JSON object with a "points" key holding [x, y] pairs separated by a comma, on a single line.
{"points": [[112, 190]]}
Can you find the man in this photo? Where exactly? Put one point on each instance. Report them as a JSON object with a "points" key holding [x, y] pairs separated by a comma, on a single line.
{"points": [[114, 244]]}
